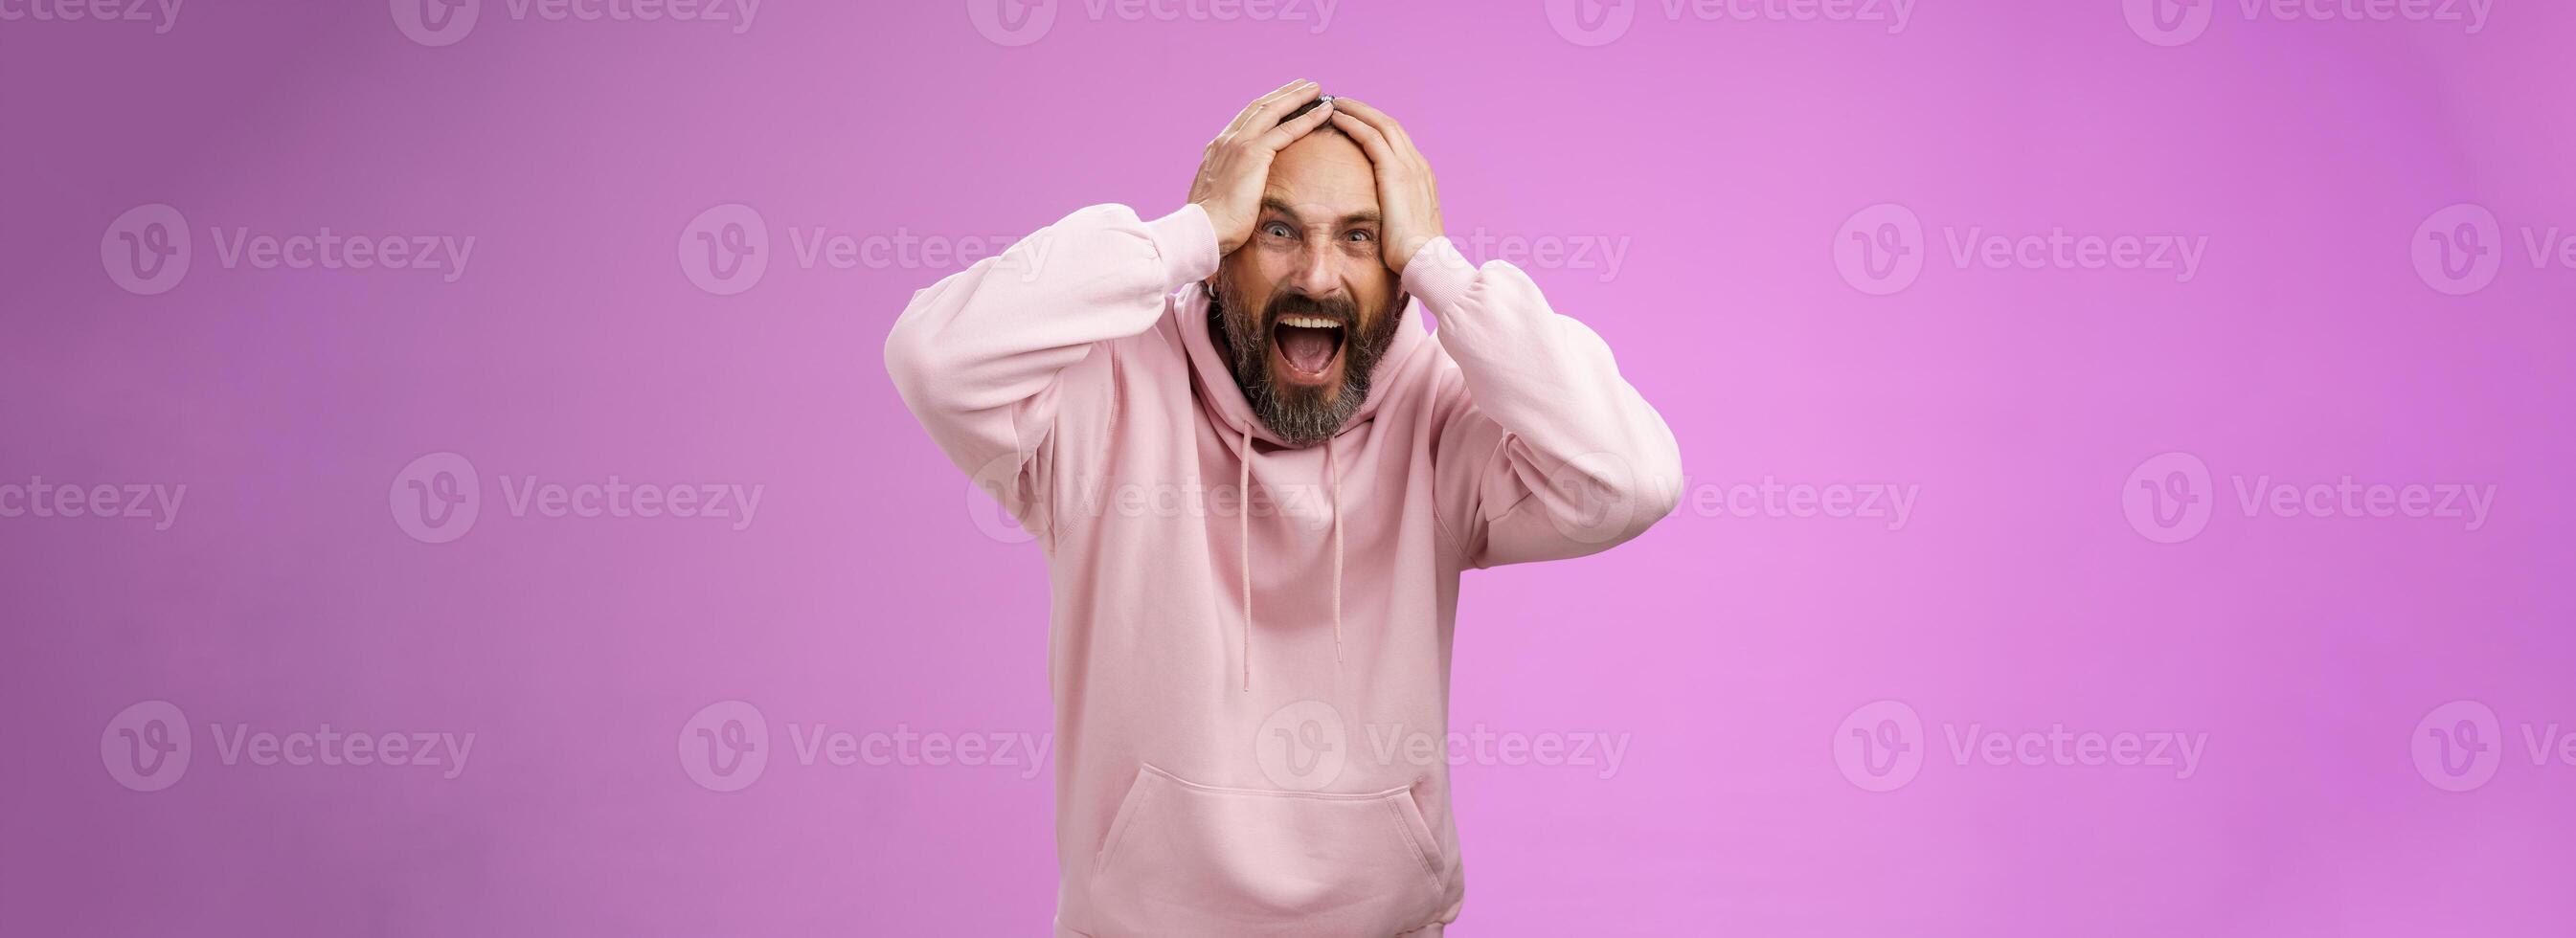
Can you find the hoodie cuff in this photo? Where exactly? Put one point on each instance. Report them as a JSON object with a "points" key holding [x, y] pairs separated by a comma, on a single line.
{"points": [[1187, 244], [1438, 274]]}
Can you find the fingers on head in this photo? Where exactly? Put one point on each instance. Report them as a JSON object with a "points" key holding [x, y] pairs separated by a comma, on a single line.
{"points": [[1292, 128], [1261, 113], [1371, 141], [1279, 107], [1375, 118], [1266, 98], [1379, 121]]}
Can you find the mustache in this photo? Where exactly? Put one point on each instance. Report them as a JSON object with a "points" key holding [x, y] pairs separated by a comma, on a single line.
{"points": [[1340, 309]]}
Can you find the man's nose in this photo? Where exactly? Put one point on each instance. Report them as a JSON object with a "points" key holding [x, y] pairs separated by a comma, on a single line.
{"points": [[1315, 275]]}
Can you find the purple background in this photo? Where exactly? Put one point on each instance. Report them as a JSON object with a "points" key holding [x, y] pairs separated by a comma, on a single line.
{"points": [[869, 594]]}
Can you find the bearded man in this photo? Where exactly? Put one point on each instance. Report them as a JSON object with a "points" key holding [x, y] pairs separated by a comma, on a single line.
{"points": [[1221, 654]]}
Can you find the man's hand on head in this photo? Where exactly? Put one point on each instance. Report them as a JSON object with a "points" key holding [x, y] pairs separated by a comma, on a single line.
{"points": [[1237, 162], [1407, 197]]}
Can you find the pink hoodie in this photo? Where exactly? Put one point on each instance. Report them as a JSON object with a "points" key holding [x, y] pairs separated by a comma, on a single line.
{"points": [[1250, 699]]}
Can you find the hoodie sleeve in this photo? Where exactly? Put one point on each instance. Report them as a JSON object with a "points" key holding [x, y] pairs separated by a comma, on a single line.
{"points": [[1550, 453], [979, 357]]}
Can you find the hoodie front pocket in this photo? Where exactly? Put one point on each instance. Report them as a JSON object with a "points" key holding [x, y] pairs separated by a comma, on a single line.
{"points": [[1183, 858]]}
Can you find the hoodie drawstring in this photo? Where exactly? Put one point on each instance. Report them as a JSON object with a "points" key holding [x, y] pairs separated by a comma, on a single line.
{"points": [[1243, 513], [1332, 502]]}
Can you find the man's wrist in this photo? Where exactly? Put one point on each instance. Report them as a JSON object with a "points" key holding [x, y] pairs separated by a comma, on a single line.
{"points": [[1437, 273], [1186, 242]]}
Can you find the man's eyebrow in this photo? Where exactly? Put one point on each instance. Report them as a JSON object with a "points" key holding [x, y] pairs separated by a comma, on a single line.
{"points": [[1362, 217]]}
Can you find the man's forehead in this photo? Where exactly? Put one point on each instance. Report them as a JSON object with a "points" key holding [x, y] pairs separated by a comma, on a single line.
{"points": [[1323, 177]]}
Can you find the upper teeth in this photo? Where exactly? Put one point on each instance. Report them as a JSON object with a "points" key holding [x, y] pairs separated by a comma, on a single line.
{"points": [[1309, 322]]}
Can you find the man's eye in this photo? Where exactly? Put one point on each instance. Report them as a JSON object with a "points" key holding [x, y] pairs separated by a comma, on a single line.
{"points": [[1275, 230], [1363, 235]]}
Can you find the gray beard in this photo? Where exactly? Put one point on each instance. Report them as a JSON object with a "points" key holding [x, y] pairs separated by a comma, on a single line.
{"points": [[1299, 418]]}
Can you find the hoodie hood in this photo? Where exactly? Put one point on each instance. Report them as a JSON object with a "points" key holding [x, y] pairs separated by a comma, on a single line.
{"points": [[1223, 401]]}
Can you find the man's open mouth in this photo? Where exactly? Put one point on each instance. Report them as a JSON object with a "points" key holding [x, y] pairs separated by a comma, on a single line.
{"points": [[1308, 344]]}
